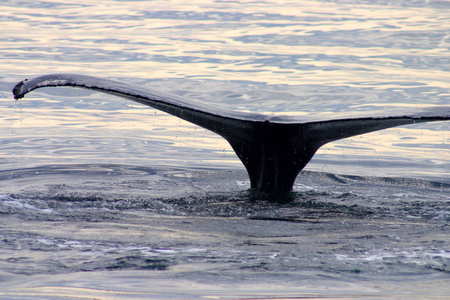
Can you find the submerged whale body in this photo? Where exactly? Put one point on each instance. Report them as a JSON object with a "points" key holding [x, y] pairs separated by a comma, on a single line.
{"points": [[273, 149]]}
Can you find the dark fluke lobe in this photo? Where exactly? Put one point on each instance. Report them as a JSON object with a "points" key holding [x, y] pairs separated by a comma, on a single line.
{"points": [[273, 149]]}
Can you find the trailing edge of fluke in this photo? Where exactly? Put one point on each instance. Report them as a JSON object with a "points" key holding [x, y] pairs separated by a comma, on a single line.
{"points": [[273, 149]]}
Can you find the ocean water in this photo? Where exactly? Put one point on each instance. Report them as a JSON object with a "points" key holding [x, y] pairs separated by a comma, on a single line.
{"points": [[101, 198]]}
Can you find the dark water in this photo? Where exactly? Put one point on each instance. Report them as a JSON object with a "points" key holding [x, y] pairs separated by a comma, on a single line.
{"points": [[102, 198], [181, 230]]}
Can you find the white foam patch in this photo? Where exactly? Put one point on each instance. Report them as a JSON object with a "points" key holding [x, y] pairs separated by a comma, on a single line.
{"points": [[243, 183], [303, 188], [91, 248], [418, 256], [21, 204]]}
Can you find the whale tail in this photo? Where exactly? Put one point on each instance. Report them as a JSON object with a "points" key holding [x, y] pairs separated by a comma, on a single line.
{"points": [[273, 149]]}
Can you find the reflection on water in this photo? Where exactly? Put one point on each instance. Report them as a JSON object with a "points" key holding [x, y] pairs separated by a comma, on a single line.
{"points": [[92, 184]]}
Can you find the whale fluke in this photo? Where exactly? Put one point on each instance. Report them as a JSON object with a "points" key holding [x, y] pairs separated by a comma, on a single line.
{"points": [[273, 149]]}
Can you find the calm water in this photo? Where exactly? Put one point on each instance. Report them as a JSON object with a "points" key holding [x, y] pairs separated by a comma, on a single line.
{"points": [[103, 198]]}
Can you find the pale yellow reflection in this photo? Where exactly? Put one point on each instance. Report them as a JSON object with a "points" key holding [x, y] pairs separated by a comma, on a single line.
{"points": [[72, 292], [144, 123], [419, 143], [175, 38]]}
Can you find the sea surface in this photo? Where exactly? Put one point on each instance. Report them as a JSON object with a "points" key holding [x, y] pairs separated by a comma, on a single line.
{"points": [[102, 198]]}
